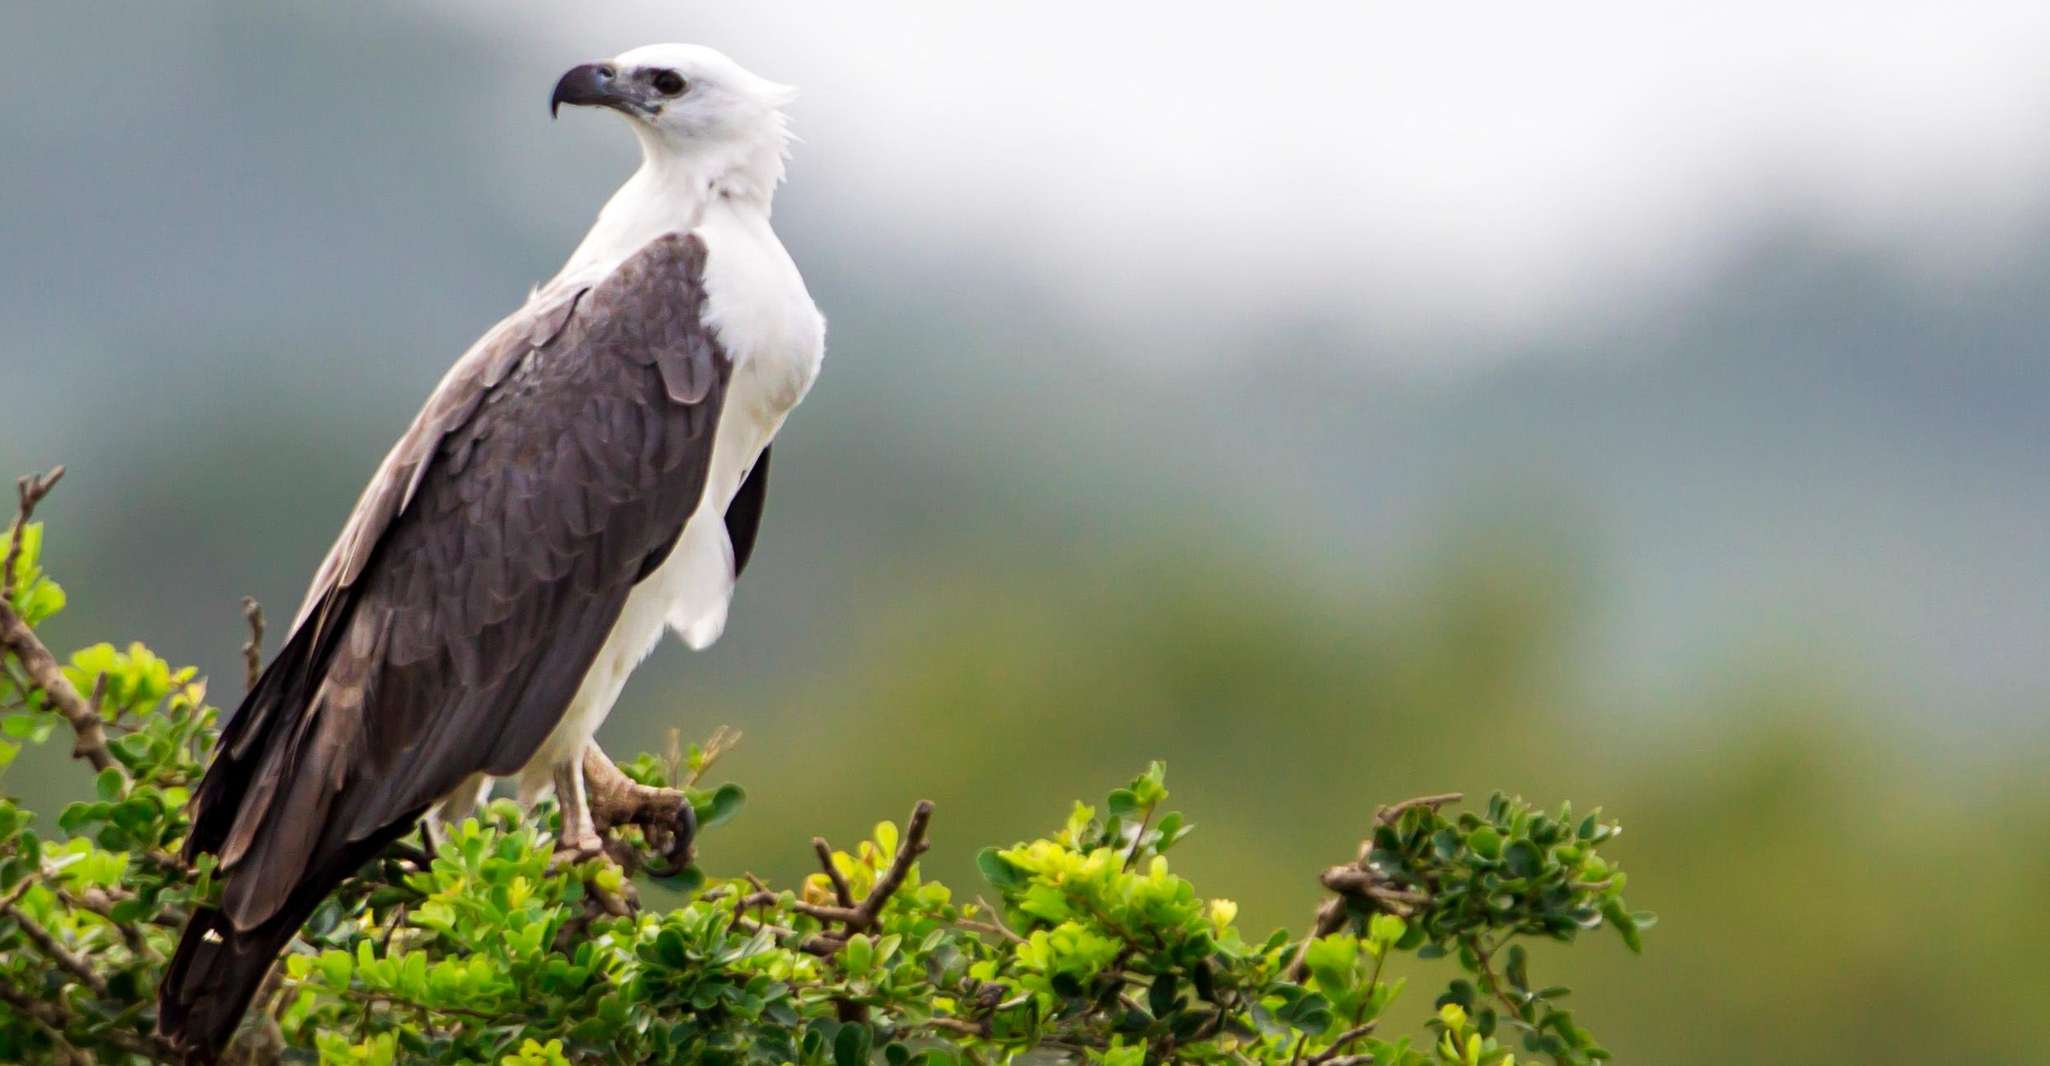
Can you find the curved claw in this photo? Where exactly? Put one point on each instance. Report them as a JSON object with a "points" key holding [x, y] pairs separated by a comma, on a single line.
{"points": [[682, 832], [664, 815]]}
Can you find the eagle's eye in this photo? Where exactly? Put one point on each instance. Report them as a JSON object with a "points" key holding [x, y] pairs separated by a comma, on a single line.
{"points": [[669, 82]]}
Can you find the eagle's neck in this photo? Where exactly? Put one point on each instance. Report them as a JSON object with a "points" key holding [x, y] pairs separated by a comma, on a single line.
{"points": [[669, 194]]}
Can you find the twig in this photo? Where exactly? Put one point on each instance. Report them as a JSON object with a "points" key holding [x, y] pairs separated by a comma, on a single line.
{"points": [[1138, 838], [1489, 979], [55, 951], [43, 671], [370, 998], [97, 901], [826, 912], [1354, 881], [908, 852], [995, 925], [825, 853], [29, 490], [18, 891], [1387, 815], [49, 1014], [252, 650], [862, 916], [722, 740], [1330, 916], [1362, 882], [1331, 1054]]}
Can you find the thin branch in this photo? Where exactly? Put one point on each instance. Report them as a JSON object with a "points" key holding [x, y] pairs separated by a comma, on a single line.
{"points": [[825, 853], [371, 998], [55, 951], [49, 1014], [1330, 917], [1360, 881], [958, 1025], [994, 926], [18, 891], [913, 846], [252, 650], [1354, 881], [1387, 815], [1330, 1055], [722, 740], [826, 912], [29, 491], [1490, 980], [98, 902], [862, 916], [1138, 838], [42, 667]]}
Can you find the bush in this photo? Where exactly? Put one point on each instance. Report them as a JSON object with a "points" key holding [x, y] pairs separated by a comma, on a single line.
{"points": [[1087, 946]]}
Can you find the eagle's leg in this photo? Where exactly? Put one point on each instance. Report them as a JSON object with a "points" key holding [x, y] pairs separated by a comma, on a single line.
{"points": [[665, 815], [579, 833]]}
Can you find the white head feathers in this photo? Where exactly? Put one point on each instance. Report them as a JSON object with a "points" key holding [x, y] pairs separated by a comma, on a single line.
{"points": [[700, 116]]}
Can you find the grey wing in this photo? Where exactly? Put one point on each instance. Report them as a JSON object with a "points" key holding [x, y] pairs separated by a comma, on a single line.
{"points": [[478, 578]]}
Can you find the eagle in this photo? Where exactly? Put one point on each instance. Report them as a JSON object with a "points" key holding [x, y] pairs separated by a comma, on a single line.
{"points": [[590, 473]]}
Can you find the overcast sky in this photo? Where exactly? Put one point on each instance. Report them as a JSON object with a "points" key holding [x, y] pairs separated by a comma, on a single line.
{"points": [[1504, 166], [267, 232]]}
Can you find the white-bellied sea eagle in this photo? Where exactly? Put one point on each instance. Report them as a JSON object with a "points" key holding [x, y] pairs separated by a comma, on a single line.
{"points": [[588, 474]]}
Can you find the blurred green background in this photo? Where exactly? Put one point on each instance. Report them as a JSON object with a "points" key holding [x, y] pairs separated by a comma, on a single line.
{"points": [[1625, 405]]}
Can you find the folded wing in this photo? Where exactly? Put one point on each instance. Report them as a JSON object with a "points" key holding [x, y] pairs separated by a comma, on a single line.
{"points": [[477, 579]]}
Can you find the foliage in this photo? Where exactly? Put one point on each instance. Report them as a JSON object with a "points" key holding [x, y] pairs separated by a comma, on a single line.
{"points": [[490, 950]]}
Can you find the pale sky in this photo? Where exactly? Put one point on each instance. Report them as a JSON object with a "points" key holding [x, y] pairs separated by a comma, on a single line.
{"points": [[1508, 165]]}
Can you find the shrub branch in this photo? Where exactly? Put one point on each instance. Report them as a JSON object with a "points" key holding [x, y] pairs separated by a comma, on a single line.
{"points": [[44, 673], [1359, 882]]}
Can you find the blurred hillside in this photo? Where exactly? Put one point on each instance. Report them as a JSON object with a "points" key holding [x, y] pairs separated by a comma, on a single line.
{"points": [[1753, 558]]}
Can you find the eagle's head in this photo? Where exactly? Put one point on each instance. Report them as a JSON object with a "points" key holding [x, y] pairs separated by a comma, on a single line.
{"points": [[686, 101]]}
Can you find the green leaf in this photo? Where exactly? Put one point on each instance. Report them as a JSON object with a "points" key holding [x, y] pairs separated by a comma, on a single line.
{"points": [[999, 872], [1161, 997], [1333, 961], [336, 968], [724, 804], [858, 955], [851, 1046], [1625, 923], [1522, 859]]}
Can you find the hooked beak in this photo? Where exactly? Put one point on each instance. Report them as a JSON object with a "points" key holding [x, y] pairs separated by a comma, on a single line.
{"points": [[595, 85]]}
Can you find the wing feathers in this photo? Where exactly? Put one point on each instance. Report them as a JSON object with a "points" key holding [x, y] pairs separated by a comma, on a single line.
{"points": [[480, 574]]}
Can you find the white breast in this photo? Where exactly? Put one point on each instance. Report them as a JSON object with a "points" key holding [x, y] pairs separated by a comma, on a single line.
{"points": [[757, 306]]}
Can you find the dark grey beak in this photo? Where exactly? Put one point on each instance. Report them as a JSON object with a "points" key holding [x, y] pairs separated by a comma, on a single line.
{"points": [[592, 85]]}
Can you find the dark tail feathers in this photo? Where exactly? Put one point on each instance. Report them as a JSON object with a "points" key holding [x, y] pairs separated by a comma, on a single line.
{"points": [[213, 976]]}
